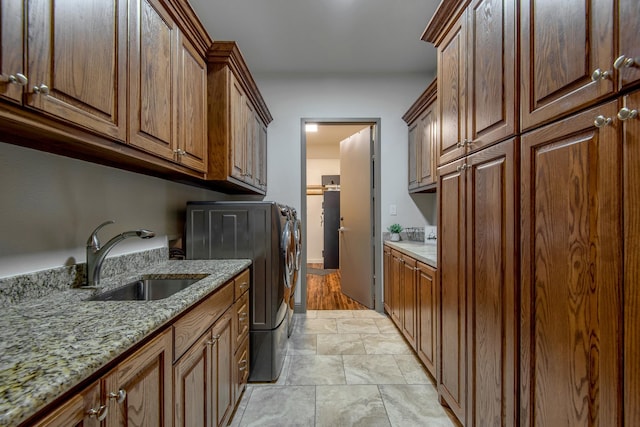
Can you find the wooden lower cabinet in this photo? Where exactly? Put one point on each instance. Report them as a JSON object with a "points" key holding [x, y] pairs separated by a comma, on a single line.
{"points": [[491, 286], [571, 336], [137, 392], [386, 255], [427, 311], [82, 410], [409, 300], [477, 358], [411, 293], [147, 388], [631, 215], [140, 389], [451, 371]]}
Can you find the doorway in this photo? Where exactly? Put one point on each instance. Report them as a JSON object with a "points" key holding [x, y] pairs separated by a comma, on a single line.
{"points": [[326, 161]]}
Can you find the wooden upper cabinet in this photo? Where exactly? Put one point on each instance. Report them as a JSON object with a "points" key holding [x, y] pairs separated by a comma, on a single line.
{"points": [[631, 215], [153, 39], [192, 106], [492, 79], [261, 156], [452, 93], [76, 62], [422, 121], [13, 77], [628, 56], [571, 343], [413, 155], [237, 121], [562, 48]]}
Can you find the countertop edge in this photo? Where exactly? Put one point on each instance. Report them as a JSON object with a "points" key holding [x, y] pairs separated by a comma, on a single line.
{"points": [[406, 248]]}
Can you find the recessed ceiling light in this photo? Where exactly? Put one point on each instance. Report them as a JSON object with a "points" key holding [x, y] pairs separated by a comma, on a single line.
{"points": [[311, 127]]}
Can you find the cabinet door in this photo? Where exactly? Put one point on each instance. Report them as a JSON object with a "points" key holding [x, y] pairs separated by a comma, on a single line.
{"points": [[427, 316], [249, 141], [493, 82], [76, 60], [427, 141], [192, 391], [222, 369], [261, 158], [11, 50], [396, 296], [452, 297], [410, 299], [240, 320], [491, 245], [387, 265], [146, 378], [562, 44], [631, 191], [452, 93], [192, 106], [413, 155], [629, 42], [153, 39], [82, 410], [571, 273], [238, 129], [241, 372]]}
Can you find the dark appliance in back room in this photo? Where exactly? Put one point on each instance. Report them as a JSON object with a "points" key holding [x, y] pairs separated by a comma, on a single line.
{"points": [[266, 233]]}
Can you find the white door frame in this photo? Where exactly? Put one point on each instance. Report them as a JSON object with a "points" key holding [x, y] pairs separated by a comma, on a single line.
{"points": [[376, 274]]}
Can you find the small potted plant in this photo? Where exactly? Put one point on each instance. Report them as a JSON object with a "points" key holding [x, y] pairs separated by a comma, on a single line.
{"points": [[395, 230]]}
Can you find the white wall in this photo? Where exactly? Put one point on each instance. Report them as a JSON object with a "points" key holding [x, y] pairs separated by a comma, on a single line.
{"points": [[50, 204], [315, 229], [292, 97]]}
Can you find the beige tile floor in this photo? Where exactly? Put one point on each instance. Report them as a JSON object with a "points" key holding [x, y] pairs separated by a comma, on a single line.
{"points": [[345, 368]]}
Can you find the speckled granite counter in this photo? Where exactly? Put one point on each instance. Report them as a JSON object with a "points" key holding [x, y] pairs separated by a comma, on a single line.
{"points": [[425, 252], [50, 344]]}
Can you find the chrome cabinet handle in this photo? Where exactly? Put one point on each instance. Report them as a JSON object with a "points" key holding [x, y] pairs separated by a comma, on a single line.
{"points": [[180, 152], [43, 89], [624, 61], [463, 143], [17, 78], [601, 121], [244, 285], [100, 413], [626, 114], [598, 74], [120, 395], [462, 168], [242, 365], [213, 340]]}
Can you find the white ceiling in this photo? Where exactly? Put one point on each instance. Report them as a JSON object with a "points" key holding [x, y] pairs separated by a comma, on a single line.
{"points": [[324, 36]]}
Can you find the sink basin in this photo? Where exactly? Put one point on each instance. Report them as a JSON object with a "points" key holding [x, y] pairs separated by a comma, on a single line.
{"points": [[145, 290]]}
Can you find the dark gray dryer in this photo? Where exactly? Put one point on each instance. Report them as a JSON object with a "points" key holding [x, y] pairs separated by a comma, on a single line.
{"points": [[255, 230]]}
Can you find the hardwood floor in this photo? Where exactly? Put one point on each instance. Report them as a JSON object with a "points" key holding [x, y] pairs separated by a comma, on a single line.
{"points": [[323, 292]]}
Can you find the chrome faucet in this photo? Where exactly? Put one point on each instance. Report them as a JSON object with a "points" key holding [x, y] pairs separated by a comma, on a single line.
{"points": [[96, 253]]}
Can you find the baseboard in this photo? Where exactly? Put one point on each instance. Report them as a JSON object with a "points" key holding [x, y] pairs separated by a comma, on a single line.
{"points": [[315, 261]]}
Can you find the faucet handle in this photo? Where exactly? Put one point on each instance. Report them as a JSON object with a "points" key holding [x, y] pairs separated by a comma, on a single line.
{"points": [[93, 241]]}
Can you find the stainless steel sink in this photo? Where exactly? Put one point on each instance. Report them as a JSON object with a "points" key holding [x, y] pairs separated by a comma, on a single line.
{"points": [[146, 290]]}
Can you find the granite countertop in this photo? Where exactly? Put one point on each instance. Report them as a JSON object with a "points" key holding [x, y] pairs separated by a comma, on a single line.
{"points": [[425, 252], [52, 343]]}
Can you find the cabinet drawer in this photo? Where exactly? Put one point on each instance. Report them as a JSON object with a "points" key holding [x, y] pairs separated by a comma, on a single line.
{"points": [[242, 368], [242, 283], [193, 324], [241, 319]]}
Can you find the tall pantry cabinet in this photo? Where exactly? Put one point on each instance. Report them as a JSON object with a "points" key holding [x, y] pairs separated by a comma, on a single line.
{"points": [[538, 187]]}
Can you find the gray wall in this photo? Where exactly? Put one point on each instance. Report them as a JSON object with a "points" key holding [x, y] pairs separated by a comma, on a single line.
{"points": [[50, 205]]}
